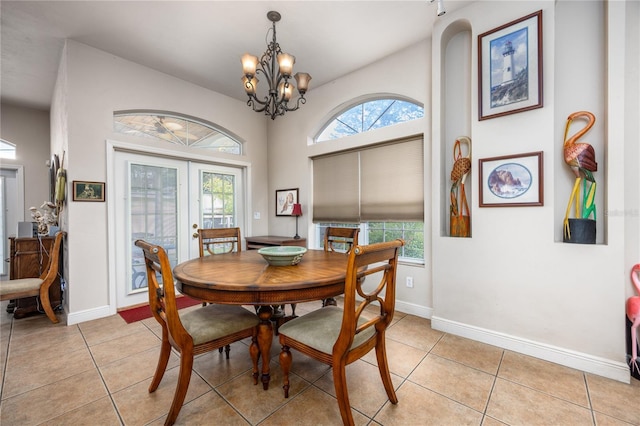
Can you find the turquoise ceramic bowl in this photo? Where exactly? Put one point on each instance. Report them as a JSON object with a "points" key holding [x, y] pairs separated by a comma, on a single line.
{"points": [[283, 255]]}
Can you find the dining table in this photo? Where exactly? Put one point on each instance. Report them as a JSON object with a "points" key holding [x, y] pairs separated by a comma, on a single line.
{"points": [[245, 278]]}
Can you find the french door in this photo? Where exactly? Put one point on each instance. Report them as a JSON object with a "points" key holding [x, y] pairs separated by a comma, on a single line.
{"points": [[164, 201]]}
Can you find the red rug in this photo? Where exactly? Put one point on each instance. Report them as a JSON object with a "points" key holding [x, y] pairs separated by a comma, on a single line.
{"points": [[144, 312]]}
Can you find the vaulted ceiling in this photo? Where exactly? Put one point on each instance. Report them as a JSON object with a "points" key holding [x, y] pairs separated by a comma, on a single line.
{"points": [[202, 41]]}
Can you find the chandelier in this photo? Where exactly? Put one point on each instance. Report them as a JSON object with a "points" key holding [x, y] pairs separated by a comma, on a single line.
{"points": [[277, 68]]}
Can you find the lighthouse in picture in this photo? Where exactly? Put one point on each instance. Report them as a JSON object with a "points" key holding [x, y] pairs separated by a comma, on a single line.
{"points": [[507, 69]]}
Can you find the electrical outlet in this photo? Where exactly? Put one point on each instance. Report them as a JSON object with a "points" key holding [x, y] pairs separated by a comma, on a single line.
{"points": [[410, 282], [256, 215]]}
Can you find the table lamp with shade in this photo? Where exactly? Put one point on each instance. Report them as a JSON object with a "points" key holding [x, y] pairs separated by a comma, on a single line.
{"points": [[297, 211]]}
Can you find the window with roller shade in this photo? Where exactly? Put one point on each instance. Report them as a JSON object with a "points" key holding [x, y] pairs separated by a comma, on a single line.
{"points": [[380, 188]]}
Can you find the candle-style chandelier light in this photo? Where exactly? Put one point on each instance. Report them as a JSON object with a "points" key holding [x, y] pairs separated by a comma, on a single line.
{"points": [[277, 68]]}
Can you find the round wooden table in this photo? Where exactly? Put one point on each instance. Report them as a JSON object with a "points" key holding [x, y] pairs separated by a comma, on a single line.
{"points": [[245, 278]]}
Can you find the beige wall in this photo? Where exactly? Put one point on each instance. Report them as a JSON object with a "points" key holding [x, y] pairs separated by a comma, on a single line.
{"points": [[92, 85], [28, 129], [514, 283]]}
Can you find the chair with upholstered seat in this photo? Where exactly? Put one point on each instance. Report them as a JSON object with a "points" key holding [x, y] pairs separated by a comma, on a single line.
{"points": [[338, 337], [28, 287], [212, 241], [191, 333]]}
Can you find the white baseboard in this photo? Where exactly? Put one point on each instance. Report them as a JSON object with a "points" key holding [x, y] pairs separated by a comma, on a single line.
{"points": [[580, 361], [89, 314], [417, 310]]}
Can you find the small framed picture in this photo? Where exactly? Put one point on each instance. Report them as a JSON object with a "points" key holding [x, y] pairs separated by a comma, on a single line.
{"points": [[510, 68], [285, 199], [512, 180], [88, 191]]}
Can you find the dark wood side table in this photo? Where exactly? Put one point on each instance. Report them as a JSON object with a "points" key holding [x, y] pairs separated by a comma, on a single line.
{"points": [[254, 243], [28, 258]]}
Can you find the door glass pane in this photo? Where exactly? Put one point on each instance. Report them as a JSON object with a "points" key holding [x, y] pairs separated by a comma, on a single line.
{"points": [[153, 215], [218, 207]]}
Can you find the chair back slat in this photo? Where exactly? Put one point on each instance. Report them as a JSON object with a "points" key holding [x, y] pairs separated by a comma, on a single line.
{"points": [[368, 261], [219, 240], [340, 239]]}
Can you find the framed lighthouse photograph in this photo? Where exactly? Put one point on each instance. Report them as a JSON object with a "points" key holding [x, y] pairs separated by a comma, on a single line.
{"points": [[510, 68]]}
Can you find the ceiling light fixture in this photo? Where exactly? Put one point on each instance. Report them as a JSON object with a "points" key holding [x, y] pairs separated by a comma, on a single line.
{"points": [[441, 10], [277, 68]]}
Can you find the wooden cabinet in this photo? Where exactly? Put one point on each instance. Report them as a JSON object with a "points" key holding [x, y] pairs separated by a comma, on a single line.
{"points": [[29, 258], [254, 243]]}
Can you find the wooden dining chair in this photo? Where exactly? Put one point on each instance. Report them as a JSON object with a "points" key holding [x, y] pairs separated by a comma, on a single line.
{"points": [[28, 287], [340, 336], [190, 333], [212, 241], [219, 240], [340, 239]]}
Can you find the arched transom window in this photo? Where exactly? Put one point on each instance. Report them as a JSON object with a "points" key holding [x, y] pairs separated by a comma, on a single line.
{"points": [[370, 115], [177, 129]]}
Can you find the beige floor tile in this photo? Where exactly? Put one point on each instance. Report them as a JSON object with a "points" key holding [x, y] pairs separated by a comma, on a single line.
{"points": [[255, 403], [490, 421], [48, 402], [110, 328], [64, 338], [414, 331], [25, 373], [469, 352], [37, 323], [207, 409], [604, 420], [311, 407], [97, 413], [615, 399], [420, 406], [124, 346], [402, 358], [216, 369], [554, 379], [463, 384], [366, 391], [136, 368], [306, 367], [516, 404], [137, 406]]}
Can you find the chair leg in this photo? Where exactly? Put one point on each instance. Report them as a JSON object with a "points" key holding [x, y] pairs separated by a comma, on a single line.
{"points": [[163, 360], [285, 364], [342, 394], [46, 304], [186, 364], [383, 367], [254, 351]]}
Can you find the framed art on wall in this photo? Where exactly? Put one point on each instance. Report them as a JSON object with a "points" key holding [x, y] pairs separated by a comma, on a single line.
{"points": [[285, 199], [510, 68], [88, 191], [512, 180]]}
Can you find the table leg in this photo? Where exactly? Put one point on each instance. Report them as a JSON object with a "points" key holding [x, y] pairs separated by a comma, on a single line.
{"points": [[265, 337]]}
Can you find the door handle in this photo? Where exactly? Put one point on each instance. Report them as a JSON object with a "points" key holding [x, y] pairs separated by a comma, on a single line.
{"points": [[195, 235]]}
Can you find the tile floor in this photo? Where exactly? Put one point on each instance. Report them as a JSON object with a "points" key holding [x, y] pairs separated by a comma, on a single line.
{"points": [[97, 373]]}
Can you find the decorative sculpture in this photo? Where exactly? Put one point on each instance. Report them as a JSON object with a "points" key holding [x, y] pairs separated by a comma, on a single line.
{"points": [[581, 158], [633, 313], [459, 225]]}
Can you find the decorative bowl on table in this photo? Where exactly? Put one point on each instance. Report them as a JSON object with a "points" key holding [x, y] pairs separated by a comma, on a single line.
{"points": [[283, 255]]}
